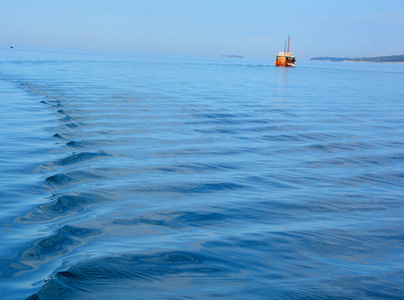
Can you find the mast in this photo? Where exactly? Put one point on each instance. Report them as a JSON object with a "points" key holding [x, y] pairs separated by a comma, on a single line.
{"points": [[284, 49], [288, 42]]}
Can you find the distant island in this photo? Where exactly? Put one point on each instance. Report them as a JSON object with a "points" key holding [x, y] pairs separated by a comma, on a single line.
{"points": [[232, 56], [387, 59]]}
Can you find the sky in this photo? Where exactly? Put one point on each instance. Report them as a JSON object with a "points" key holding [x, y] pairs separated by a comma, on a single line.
{"points": [[251, 28]]}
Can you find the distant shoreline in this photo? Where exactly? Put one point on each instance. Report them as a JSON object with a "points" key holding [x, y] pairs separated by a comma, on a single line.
{"points": [[357, 61], [379, 59]]}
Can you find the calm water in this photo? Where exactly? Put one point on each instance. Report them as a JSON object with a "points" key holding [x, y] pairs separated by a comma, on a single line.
{"points": [[135, 177]]}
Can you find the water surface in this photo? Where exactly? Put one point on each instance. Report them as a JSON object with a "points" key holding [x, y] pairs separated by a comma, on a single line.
{"points": [[139, 177]]}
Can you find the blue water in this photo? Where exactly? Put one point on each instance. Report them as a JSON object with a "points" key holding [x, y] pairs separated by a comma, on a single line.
{"points": [[140, 177]]}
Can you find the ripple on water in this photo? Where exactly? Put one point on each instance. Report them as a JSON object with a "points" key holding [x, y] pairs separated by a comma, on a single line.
{"points": [[135, 275], [64, 205], [61, 242]]}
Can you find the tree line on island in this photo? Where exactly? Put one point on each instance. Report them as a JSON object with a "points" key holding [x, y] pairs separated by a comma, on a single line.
{"points": [[391, 58]]}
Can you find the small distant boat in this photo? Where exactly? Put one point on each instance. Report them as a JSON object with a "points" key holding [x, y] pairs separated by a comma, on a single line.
{"points": [[11, 47], [285, 59]]}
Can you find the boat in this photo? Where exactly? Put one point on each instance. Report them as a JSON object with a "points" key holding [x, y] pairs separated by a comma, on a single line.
{"points": [[285, 58]]}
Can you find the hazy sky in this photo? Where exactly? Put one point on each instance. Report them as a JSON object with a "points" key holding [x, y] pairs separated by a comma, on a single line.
{"points": [[252, 28]]}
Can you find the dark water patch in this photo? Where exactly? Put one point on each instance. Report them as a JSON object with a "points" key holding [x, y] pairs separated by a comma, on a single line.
{"points": [[80, 158], [393, 144], [89, 142], [53, 103], [58, 179], [398, 157], [55, 99], [62, 112], [69, 118], [11, 267], [66, 179], [70, 125], [73, 159], [158, 275], [65, 239], [68, 202], [57, 106], [58, 136], [75, 144], [62, 206], [31, 255]]}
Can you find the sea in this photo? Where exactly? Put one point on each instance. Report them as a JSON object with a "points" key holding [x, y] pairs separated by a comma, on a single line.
{"points": [[128, 176]]}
